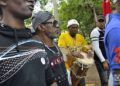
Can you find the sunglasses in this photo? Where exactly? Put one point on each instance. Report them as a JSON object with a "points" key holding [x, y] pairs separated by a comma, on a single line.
{"points": [[74, 27], [101, 20], [54, 23]]}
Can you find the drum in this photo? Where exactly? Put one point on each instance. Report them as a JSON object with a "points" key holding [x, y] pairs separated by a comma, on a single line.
{"points": [[80, 67]]}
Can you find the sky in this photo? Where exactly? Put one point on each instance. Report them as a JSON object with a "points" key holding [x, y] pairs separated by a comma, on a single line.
{"points": [[48, 6]]}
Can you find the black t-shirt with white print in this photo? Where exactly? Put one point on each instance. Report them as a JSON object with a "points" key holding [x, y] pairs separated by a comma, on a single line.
{"points": [[56, 69]]}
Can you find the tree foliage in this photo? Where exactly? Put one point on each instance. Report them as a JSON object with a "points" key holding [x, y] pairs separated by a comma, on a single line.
{"points": [[43, 3], [82, 10]]}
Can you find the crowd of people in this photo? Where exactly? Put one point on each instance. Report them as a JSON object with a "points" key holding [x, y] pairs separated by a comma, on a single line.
{"points": [[30, 58]]}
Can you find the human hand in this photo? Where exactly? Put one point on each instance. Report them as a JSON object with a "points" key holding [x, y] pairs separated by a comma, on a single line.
{"points": [[90, 53], [77, 54], [54, 84], [105, 65]]}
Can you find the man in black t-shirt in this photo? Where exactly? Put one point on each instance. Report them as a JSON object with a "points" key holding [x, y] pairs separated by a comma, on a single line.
{"points": [[46, 29]]}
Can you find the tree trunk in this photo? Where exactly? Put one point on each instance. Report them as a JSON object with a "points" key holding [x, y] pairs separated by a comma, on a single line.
{"points": [[55, 10]]}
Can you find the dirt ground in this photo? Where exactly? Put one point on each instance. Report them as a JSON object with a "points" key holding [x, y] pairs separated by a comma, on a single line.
{"points": [[92, 78]]}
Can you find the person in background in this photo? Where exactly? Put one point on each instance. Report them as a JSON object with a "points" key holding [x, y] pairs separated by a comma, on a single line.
{"points": [[22, 59], [112, 45], [97, 38], [68, 40], [46, 28]]}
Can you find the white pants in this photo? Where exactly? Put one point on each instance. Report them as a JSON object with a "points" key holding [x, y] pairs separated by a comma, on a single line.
{"points": [[110, 82]]}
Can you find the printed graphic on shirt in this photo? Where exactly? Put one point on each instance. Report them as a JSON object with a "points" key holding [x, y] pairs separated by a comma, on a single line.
{"points": [[56, 61], [117, 56]]}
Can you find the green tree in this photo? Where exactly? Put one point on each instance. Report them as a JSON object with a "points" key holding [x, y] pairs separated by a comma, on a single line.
{"points": [[43, 3], [82, 10]]}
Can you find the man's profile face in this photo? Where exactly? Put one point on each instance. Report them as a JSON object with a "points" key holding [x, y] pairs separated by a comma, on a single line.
{"points": [[20, 8], [52, 31]]}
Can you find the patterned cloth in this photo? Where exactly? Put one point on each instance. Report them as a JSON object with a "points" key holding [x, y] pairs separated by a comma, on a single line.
{"points": [[22, 60]]}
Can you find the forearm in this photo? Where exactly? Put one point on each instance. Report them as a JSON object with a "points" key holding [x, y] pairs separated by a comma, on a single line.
{"points": [[97, 50]]}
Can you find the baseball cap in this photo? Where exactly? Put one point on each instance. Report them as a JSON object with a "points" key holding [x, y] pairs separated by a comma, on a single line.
{"points": [[40, 17], [72, 22], [100, 17]]}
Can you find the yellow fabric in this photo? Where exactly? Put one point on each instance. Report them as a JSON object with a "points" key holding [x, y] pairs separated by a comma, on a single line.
{"points": [[65, 40], [67, 66]]}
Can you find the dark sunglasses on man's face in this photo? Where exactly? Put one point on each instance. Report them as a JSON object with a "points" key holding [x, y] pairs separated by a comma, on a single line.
{"points": [[101, 20], [73, 27], [54, 23]]}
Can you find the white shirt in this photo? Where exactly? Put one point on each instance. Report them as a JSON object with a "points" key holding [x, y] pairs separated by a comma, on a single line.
{"points": [[95, 43]]}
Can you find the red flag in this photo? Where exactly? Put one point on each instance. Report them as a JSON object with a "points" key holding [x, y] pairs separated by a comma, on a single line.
{"points": [[106, 7]]}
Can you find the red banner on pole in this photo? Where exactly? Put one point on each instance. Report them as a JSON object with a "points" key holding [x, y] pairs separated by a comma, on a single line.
{"points": [[106, 7]]}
